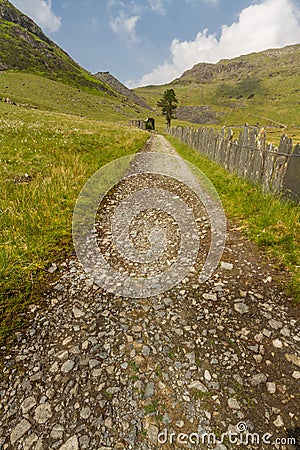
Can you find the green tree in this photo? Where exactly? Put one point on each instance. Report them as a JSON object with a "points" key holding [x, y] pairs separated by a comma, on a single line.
{"points": [[168, 105]]}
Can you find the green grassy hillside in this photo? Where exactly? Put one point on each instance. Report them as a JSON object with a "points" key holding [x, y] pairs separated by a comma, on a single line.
{"points": [[58, 126], [33, 91], [258, 88], [45, 159], [23, 46], [26, 51]]}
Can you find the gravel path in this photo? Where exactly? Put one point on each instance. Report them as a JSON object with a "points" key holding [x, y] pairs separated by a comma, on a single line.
{"points": [[95, 370]]}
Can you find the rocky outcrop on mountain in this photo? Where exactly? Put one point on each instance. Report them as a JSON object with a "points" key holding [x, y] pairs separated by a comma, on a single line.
{"points": [[11, 14], [24, 46], [197, 114], [113, 82], [254, 65]]}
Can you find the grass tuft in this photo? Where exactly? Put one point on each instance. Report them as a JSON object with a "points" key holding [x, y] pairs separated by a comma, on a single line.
{"points": [[45, 160], [269, 221]]}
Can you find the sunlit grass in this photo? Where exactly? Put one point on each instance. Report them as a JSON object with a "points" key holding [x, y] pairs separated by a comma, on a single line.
{"points": [[45, 160], [31, 90], [272, 223]]}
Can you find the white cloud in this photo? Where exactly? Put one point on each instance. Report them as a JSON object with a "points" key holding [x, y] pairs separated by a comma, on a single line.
{"points": [[157, 6], [41, 12], [110, 4], [124, 25], [273, 23]]}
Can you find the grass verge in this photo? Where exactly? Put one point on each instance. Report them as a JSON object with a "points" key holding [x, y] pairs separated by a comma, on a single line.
{"points": [[33, 91], [45, 160], [270, 222]]}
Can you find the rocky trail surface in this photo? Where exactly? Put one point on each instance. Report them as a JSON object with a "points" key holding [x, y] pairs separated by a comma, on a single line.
{"points": [[211, 365]]}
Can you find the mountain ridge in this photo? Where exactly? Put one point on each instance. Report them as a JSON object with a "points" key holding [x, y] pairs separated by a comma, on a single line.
{"points": [[24, 47], [10, 13], [112, 81], [208, 72], [258, 88]]}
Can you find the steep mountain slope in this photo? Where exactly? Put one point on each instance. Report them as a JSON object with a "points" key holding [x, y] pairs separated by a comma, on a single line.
{"points": [[115, 84], [23, 46], [255, 66], [36, 72], [260, 87], [10, 13]]}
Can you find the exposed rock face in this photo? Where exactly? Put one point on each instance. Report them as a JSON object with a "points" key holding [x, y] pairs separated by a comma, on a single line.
{"points": [[109, 79], [253, 65], [48, 57], [11, 14], [24, 46], [197, 114]]}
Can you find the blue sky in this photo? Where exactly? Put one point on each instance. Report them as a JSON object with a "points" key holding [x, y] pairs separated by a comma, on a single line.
{"points": [[153, 41]]}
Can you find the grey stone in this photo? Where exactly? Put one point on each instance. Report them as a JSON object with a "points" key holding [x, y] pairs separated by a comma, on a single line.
{"points": [[258, 379], [28, 442], [139, 385], [294, 359], [43, 413], [113, 390], [275, 324], [226, 265], [238, 378], [152, 433], [71, 444], [241, 307], [278, 422], [84, 442], [40, 445], [93, 363], [149, 390], [108, 422], [271, 387], [207, 375], [146, 350], [266, 332], [132, 437], [233, 403], [198, 386], [285, 332], [212, 297], [167, 301], [19, 431], [85, 412], [68, 366], [179, 424], [277, 343], [57, 432], [28, 404], [53, 268], [78, 313], [166, 419]]}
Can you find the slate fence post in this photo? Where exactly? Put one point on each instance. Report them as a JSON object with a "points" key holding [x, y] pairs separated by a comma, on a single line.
{"points": [[277, 170]]}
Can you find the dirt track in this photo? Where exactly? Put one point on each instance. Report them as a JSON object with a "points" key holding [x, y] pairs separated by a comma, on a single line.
{"points": [[96, 370]]}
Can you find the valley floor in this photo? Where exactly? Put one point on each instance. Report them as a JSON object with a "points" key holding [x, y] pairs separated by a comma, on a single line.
{"points": [[95, 370]]}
